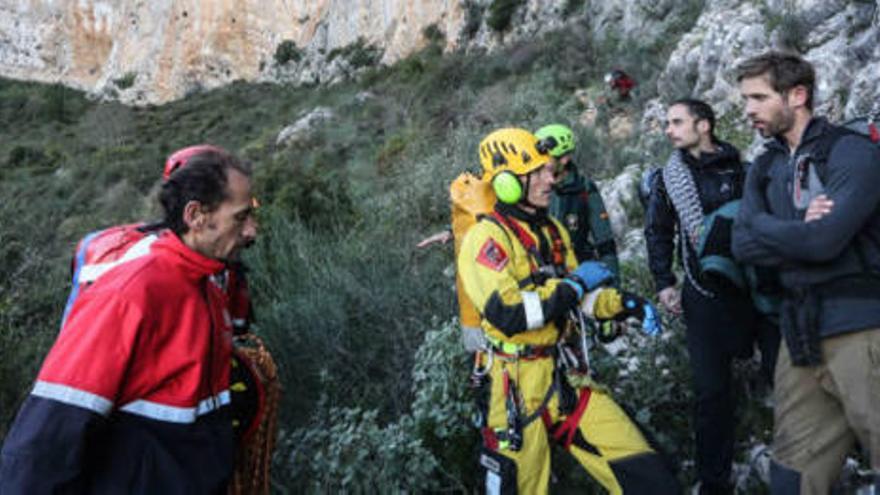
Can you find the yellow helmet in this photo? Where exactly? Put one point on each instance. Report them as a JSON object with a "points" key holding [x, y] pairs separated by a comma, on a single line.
{"points": [[511, 149], [508, 153]]}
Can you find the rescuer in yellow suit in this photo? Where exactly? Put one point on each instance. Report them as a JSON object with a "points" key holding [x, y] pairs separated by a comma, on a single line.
{"points": [[518, 268]]}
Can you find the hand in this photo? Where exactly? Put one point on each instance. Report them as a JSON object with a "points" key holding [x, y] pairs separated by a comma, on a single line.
{"points": [[819, 207], [609, 330], [670, 299], [441, 237], [638, 308]]}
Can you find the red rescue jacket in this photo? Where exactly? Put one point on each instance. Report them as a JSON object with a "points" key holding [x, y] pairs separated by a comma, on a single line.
{"points": [[99, 251], [133, 396]]}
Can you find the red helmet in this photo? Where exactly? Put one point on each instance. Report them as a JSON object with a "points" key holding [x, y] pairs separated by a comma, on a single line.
{"points": [[181, 156]]}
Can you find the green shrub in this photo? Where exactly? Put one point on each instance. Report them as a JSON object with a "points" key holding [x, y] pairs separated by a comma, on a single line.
{"points": [[287, 51], [25, 156], [733, 128], [790, 27], [473, 19], [359, 54], [501, 13], [348, 450], [443, 405], [349, 295], [315, 190], [390, 151], [60, 103], [572, 7], [434, 35], [793, 31], [126, 81], [352, 449]]}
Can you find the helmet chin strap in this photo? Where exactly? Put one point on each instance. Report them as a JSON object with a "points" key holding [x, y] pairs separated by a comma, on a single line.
{"points": [[525, 199]]}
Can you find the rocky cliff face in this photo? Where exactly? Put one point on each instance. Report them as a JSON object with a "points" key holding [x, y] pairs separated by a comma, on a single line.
{"points": [[151, 52], [154, 51], [841, 38]]}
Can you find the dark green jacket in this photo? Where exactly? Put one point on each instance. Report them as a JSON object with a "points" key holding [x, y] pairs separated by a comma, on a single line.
{"points": [[579, 206]]}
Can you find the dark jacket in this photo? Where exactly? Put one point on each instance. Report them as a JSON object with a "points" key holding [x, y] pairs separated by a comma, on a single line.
{"points": [[133, 396], [719, 178], [578, 204], [843, 245]]}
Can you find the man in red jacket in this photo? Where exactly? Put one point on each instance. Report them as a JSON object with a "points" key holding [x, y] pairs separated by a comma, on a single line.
{"points": [[99, 251], [133, 396]]}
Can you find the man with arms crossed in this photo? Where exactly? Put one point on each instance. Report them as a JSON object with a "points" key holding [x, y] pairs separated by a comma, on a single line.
{"points": [[810, 209]]}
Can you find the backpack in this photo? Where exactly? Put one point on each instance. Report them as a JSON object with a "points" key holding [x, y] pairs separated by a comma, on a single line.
{"points": [[646, 185], [103, 250], [866, 127], [861, 126], [474, 199], [471, 197], [715, 257], [252, 376]]}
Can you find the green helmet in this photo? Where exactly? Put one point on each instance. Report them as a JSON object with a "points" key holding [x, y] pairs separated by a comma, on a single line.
{"points": [[561, 134]]}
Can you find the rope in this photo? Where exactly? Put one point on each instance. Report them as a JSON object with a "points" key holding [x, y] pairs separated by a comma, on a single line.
{"points": [[254, 459]]}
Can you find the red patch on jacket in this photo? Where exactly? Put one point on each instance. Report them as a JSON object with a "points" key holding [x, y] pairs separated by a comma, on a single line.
{"points": [[492, 255]]}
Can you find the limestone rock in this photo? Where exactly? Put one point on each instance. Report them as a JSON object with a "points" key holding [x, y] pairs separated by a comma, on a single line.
{"points": [[619, 194], [699, 64], [152, 52], [620, 126], [173, 48], [841, 39], [302, 129]]}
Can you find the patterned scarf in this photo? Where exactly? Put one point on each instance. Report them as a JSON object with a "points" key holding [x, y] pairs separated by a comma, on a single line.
{"points": [[682, 191]]}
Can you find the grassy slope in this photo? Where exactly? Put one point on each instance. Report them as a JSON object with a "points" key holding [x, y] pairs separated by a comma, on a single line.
{"points": [[70, 165], [341, 296]]}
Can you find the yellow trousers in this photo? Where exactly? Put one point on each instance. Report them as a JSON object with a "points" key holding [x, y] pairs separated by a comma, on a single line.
{"points": [[605, 441]]}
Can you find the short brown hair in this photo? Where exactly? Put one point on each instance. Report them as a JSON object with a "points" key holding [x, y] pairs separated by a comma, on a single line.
{"points": [[784, 71]]}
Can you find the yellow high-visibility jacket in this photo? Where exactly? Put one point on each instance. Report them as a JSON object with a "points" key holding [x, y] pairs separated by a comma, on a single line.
{"points": [[492, 263]]}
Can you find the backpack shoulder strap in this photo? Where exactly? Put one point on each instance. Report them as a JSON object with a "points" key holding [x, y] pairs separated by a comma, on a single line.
{"points": [[820, 156], [822, 150], [489, 217]]}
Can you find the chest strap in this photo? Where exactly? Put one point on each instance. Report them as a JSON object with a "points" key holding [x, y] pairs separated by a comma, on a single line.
{"points": [[540, 270]]}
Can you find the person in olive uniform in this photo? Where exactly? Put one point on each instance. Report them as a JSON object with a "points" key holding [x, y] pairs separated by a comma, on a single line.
{"points": [[577, 203]]}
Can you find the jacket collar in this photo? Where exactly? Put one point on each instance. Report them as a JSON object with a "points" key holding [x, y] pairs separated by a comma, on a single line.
{"points": [[573, 182], [538, 218], [193, 264], [815, 129], [725, 154]]}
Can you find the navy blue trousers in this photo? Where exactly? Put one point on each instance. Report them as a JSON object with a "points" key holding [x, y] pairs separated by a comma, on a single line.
{"points": [[719, 330]]}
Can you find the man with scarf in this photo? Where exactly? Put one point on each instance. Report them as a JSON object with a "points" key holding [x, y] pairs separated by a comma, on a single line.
{"points": [[702, 175]]}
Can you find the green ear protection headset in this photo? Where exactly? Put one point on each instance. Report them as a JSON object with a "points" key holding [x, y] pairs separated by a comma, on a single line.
{"points": [[508, 153]]}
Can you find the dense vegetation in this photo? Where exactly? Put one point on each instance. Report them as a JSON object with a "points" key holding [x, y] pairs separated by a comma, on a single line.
{"points": [[360, 323]]}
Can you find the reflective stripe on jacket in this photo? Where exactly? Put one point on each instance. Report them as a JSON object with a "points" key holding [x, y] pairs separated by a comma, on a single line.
{"points": [[492, 262], [133, 395]]}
